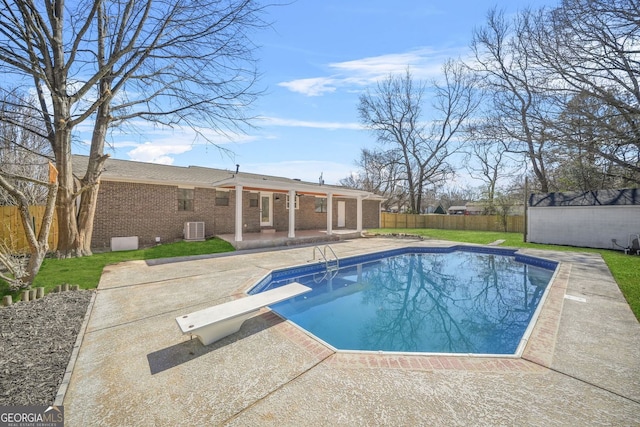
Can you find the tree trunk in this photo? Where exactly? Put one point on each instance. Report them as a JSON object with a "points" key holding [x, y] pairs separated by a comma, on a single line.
{"points": [[538, 170], [77, 199], [36, 257], [418, 208], [68, 239], [41, 247], [86, 215], [67, 224], [38, 244], [91, 181]]}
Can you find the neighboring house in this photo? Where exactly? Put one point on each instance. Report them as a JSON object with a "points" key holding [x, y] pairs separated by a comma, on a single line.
{"points": [[439, 210], [153, 201], [479, 209], [457, 210], [474, 209]]}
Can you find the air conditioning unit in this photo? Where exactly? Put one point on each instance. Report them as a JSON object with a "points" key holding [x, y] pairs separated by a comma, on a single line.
{"points": [[194, 231]]}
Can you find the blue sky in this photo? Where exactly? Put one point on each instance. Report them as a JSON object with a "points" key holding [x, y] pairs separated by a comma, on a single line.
{"points": [[315, 61]]}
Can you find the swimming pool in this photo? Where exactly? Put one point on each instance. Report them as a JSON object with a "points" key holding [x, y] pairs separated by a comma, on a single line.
{"points": [[429, 300]]}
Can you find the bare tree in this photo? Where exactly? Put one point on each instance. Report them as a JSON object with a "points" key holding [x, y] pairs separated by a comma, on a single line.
{"points": [[22, 151], [456, 196], [488, 162], [589, 50], [516, 116], [566, 90], [582, 167], [24, 270], [379, 172], [179, 63], [25, 180], [394, 113]]}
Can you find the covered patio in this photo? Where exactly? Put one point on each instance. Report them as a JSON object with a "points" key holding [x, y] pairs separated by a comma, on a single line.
{"points": [[273, 189]]}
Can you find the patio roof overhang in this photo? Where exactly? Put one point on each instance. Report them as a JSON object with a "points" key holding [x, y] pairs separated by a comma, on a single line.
{"points": [[306, 188]]}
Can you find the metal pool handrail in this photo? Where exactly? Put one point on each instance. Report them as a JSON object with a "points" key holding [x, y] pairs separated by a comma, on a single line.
{"points": [[328, 267]]}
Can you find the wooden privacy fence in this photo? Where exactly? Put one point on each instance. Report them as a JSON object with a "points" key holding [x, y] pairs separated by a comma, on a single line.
{"points": [[12, 232], [515, 223]]}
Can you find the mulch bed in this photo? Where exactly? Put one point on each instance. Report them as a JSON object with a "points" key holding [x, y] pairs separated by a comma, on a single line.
{"points": [[36, 341]]}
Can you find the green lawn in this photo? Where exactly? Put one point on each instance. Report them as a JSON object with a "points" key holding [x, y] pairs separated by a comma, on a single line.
{"points": [[624, 268], [86, 271]]}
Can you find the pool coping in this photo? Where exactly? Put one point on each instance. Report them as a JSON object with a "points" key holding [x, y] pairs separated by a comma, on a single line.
{"points": [[273, 373], [538, 261]]}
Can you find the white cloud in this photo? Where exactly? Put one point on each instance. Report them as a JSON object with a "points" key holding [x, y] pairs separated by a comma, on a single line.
{"points": [[275, 121], [311, 87], [161, 144], [156, 153], [376, 66], [425, 63]]}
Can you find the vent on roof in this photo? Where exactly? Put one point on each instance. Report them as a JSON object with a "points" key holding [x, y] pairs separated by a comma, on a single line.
{"points": [[194, 231]]}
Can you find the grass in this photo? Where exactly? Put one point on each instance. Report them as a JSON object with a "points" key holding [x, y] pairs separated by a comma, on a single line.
{"points": [[624, 268], [86, 271]]}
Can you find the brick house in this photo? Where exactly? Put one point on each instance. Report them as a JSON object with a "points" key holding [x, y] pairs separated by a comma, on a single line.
{"points": [[153, 201]]}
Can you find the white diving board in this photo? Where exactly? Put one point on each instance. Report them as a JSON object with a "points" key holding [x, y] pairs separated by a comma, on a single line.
{"points": [[219, 321]]}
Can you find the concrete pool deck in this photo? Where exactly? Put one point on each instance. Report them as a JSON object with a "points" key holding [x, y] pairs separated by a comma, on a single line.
{"points": [[134, 368]]}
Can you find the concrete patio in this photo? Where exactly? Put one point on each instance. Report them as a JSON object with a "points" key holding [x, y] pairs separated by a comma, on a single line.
{"points": [[281, 238], [134, 368]]}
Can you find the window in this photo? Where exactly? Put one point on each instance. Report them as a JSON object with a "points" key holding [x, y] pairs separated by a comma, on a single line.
{"points": [[185, 199], [296, 202], [222, 198], [253, 200], [321, 204]]}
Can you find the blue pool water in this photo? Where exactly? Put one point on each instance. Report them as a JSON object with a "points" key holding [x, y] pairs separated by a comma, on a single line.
{"points": [[454, 301]]}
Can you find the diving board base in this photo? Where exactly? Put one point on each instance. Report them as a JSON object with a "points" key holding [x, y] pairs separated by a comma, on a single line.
{"points": [[219, 321]]}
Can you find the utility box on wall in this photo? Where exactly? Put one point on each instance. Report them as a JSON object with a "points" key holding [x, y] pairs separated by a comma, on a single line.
{"points": [[124, 243]]}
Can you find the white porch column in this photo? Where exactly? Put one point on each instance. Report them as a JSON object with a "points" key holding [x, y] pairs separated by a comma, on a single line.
{"points": [[329, 214], [292, 213], [359, 214], [238, 221]]}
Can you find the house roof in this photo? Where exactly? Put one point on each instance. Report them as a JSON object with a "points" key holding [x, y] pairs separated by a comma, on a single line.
{"points": [[197, 176], [439, 210], [469, 207]]}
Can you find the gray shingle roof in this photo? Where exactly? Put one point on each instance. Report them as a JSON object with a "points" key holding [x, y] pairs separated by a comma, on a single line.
{"points": [[131, 171]]}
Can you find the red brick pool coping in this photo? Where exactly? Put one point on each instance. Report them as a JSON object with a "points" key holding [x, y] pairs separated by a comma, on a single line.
{"points": [[536, 357]]}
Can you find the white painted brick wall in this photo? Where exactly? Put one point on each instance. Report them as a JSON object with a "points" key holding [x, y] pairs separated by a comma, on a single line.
{"points": [[585, 226]]}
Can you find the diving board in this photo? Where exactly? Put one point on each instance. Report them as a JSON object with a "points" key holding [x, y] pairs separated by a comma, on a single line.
{"points": [[219, 321]]}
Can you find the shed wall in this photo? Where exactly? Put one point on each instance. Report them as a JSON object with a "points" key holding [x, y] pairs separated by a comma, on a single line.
{"points": [[584, 226]]}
